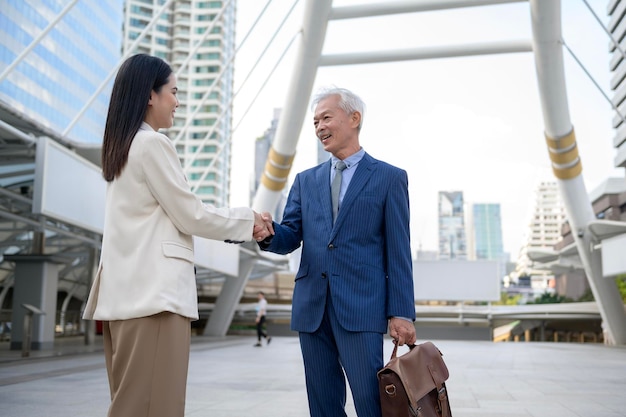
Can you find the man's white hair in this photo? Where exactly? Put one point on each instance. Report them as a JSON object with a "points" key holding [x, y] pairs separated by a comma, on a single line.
{"points": [[348, 101]]}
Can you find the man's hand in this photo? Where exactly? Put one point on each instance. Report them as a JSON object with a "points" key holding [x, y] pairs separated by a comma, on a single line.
{"points": [[267, 218], [402, 331], [263, 226]]}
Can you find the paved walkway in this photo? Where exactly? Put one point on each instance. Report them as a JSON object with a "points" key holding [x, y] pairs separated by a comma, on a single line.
{"points": [[228, 377]]}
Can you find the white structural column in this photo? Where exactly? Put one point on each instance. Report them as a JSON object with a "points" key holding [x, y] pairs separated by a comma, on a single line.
{"points": [[283, 148], [282, 152], [391, 55], [566, 163], [408, 6]]}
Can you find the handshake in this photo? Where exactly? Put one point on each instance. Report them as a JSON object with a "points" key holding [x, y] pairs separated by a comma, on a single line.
{"points": [[263, 226]]}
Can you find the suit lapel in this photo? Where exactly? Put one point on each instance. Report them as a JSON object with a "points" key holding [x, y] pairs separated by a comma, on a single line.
{"points": [[364, 171], [323, 179]]}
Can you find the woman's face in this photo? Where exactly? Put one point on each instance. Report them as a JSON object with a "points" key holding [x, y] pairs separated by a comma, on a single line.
{"points": [[162, 105]]}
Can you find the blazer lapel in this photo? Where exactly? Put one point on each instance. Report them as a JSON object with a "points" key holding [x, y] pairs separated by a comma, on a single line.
{"points": [[364, 171]]}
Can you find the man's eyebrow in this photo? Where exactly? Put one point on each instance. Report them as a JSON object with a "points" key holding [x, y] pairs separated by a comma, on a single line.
{"points": [[316, 116]]}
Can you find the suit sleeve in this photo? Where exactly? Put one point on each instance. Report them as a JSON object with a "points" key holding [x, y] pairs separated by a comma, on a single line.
{"points": [[288, 234], [400, 294], [166, 181]]}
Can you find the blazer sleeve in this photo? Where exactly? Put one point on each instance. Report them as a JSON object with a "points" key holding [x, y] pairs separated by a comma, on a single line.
{"points": [[167, 183], [401, 297]]}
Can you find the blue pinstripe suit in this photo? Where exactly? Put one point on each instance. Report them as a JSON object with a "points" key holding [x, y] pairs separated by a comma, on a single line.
{"points": [[353, 277]]}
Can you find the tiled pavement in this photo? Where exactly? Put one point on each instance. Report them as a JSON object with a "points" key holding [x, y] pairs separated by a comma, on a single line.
{"points": [[228, 377]]}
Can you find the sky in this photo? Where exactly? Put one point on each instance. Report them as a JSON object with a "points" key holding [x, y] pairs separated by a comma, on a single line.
{"points": [[471, 124]]}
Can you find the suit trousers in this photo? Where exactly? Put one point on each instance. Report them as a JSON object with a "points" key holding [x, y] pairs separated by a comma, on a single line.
{"points": [[329, 352], [147, 360]]}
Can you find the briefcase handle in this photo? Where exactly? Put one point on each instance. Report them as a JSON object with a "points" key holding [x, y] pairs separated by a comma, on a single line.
{"points": [[395, 348]]}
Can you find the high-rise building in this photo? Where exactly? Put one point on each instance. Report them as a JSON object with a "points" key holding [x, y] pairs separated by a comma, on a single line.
{"points": [[487, 232], [54, 80], [452, 240], [198, 39], [617, 65], [544, 231]]}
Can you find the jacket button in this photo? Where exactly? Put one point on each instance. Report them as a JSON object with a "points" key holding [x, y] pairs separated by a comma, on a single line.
{"points": [[324, 275], [331, 246]]}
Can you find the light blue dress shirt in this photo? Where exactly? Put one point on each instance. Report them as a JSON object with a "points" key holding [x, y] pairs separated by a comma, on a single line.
{"points": [[351, 163]]}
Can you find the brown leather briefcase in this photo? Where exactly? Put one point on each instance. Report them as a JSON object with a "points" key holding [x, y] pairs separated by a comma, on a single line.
{"points": [[413, 385]]}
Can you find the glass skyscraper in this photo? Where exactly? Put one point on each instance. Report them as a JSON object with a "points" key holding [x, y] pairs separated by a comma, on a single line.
{"points": [[452, 240], [198, 39], [54, 81], [487, 229]]}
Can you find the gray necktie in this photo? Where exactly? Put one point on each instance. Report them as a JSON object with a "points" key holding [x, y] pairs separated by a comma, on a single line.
{"points": [[336, 187]]}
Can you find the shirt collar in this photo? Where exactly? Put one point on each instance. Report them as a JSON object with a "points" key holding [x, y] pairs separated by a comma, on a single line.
{"points": [[350, 161]]}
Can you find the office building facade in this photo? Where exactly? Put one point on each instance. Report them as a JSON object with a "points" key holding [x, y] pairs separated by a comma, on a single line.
{"points": [[543, 233], [452, 237], [198, 39], [617, 65], [55, 80], [487, 232]]}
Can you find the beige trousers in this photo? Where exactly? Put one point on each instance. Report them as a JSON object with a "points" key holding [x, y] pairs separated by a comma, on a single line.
{"points": [[147, 361]]}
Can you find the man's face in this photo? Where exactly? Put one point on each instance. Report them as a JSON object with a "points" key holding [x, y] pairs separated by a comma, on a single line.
{"points": [[335, 129]]}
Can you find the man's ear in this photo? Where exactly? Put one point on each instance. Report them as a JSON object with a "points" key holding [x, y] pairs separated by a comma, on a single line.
{"points": [[355, 118]]}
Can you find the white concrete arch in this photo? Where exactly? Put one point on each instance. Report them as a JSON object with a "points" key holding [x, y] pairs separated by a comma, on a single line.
{"points": [[547, 48]]}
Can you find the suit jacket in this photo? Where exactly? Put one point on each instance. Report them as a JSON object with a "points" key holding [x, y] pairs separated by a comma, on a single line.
{"points": [[364, 260], [147, 260]]}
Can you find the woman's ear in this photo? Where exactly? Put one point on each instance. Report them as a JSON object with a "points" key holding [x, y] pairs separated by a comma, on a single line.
{"points": [[151, 97]]}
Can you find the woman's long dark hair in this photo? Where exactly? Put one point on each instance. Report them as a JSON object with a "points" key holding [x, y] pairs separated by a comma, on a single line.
{"points": [[135, 80]]}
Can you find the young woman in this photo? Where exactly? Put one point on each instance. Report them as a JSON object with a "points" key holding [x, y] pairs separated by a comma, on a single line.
{"points": [[145, 289]]}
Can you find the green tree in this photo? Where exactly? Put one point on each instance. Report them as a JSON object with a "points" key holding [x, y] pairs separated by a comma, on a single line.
{"points": [[621, 285], [508, 300], [547, 298]]}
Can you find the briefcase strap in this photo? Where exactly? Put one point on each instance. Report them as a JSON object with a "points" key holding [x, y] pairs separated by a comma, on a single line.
{"points": [[394, 353], [443, 402]]}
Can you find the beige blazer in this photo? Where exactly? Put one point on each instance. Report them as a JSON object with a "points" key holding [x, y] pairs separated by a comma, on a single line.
{"points": [[147, 259]]}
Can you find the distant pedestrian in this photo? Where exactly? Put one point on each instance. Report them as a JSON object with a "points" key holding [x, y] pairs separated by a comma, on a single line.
{"points": [[261, 311]]}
